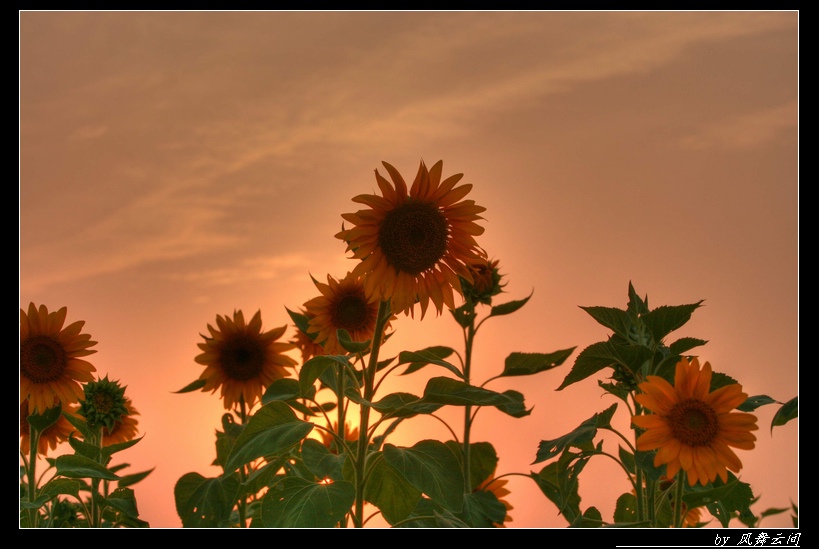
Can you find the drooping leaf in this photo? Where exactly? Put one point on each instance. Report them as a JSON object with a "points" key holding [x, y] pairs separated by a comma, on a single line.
{"points": [[348, 344], [284, 389], [431, 467], [321, 462], [388, 490], [580, 437], [75, 466], [298, 503], [272, 429], [313, 368], [788, 411], [192, 386], [518, 409], [43, 421], [202, 502], [482, 510], [430, 355], [107, 451], [302, 322], [124, 501], [404, 405], [524, 364], [445, 390], [130, 480], [61, 486]]}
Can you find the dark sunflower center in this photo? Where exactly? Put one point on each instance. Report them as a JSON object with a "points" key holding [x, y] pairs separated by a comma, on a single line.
{"points": [[413, 237], [242, 357], [351, 313], [42, 359], [693, 423], [103, 403]]}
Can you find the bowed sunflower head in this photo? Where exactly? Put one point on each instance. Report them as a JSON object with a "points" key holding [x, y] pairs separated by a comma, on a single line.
{"points": [[414, 244], [104, 403], [693, 428], [500, 491], [486, 281], [51, 367], [124, 429], [242, 359]]}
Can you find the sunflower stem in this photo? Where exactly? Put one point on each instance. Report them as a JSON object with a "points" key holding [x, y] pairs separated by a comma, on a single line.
{"points": [[34, 441], [242, 471], [369, 389], [469, 338]]}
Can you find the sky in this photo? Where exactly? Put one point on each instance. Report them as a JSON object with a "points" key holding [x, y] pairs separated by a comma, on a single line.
{"points": [[178, 165]]}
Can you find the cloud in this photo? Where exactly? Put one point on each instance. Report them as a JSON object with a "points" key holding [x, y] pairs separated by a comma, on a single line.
{"points": [[748, 130]]}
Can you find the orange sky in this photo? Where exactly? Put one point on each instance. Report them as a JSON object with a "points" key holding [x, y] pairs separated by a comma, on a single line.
{"points": [[176, 166]]}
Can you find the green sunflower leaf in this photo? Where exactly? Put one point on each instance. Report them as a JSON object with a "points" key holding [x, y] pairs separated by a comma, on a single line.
{"points": [[509, 307], [430, 355], [445, 390], [388, 490], [43, 421], [320, 461], [431, 467], [788, 411], [284, 389], [76, 466], [272, 429], [298, 503], [313, 368], [754, 402], [202, 502], [129, 480], [348, 344], [580, 437], [605, 354], [665, 319], [524, 364], [192, 386], [124, 501], [617, 320]]}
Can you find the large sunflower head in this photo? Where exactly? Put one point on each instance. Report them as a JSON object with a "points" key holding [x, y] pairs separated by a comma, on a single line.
{"points": [[343, 304], [124, 429], [51, 369], [242, 359], [51, 436], [413, 245], [691, 427]]}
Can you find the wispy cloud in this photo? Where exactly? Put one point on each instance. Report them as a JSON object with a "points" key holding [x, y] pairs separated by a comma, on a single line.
{"points": [[746, 130]]}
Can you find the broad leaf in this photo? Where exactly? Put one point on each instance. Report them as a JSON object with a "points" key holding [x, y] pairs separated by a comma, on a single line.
{"points": [[788, 411], [431, 467], [445, 390], [510, 307], [298, 503], [192, 386], [74, 466], [348, 344], [614, 319], [581, 437], [665, 319], [272, 429], [282, 389], [321, 462], [202, 502], [430, 355], [524, 364], [388, 490]]}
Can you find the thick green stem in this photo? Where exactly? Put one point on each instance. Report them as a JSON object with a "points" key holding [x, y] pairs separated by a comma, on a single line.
{"points": [[678, 502], [34, 441], [242, 471], [469, 338], [369, 389]]}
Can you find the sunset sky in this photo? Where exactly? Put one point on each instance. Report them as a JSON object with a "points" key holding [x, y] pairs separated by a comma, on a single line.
{"points": [[179, 165]]}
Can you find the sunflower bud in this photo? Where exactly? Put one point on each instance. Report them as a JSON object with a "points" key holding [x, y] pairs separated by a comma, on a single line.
{"points": [[485, 281], [104, 403]]}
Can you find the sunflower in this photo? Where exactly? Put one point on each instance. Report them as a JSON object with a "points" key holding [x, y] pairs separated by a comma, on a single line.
{"points": [[343, 304], [691, 428], [414, 246], [242, 359], [485, 281], [350, 435], [498, 488], [123, 430], [50, 368], [51, 436]]}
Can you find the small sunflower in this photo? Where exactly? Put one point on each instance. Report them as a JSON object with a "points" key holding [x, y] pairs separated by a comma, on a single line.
{"points": [[343, 304], [485, 281], [103, 403], [329, 441], [52, 435], [414, 245], [50, 367], [498, 488], [124, 429], [242, 359], [692, 428]]}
